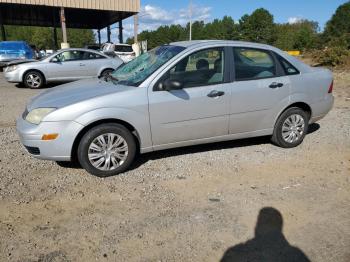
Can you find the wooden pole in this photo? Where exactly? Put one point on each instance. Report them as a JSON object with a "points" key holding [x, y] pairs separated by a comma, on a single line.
{"points": [[191, 20], [63, 24], [99, 37], [121, 31], [54, 30], [55, 40], [108, 34], [136, 29]]}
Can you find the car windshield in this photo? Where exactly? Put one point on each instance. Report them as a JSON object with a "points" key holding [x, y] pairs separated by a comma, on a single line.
{"points": [[11, 46], [139, 69], [46, 56]]}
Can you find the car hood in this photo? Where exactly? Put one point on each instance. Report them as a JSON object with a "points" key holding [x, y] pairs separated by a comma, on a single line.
{"points": [[75, 92], [21, 61]]}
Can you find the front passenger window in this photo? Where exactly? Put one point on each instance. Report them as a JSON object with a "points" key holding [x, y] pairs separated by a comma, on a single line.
{"points": [[253, 64], [205, 67]]}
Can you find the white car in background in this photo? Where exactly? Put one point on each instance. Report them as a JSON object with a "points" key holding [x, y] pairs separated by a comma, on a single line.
{"points": [[123, 51]]}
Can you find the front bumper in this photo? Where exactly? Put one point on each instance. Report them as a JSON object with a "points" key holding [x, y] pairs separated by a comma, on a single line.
{"points": [[59, 149], [13, 76]]}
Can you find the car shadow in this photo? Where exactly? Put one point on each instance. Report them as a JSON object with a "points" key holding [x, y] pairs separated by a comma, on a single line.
{"points": [[188, 150], [313, 128], [51, 85], [141, 159], [268, 244], [144, 158]]}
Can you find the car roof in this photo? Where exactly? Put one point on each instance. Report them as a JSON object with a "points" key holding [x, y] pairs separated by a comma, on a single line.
{"points": [[82, 49], [77, 49], [195, 43]]}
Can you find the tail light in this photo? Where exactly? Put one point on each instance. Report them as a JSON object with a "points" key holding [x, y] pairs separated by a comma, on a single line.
{"points": [[330, 89]]}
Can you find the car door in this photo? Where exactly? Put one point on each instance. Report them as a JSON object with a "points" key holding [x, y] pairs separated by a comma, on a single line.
{"points": [[66, 66], [259, 90], [200, 108], [94, 63]]}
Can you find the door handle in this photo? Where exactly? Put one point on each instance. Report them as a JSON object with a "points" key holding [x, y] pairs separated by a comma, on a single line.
{"points": [[81, 64], [275, 85], [215, 93]]}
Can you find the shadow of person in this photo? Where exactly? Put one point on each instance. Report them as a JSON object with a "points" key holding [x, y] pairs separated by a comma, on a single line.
{"points": [[269, 243]]}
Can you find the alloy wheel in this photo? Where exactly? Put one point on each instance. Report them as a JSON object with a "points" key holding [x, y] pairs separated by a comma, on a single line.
{"points": [[33, 80], [108, 151], [293, 128]]}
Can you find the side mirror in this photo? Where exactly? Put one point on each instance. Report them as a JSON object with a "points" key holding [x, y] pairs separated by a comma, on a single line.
{"points": [[169, 85]]}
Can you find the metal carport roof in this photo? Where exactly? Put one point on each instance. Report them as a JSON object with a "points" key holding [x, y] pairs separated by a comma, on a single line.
{"points": [[92, 14]]}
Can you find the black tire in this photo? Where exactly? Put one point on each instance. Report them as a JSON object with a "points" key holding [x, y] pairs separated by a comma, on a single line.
{"points": [[106, 72], [278, 136], [30, 76], [92, 135]]}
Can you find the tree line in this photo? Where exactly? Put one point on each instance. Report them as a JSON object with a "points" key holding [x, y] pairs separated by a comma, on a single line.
{"points": [[42, 37]]}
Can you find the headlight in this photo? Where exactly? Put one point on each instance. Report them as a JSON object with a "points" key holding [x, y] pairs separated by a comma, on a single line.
{"points": [[11, 68], [35, 116]]}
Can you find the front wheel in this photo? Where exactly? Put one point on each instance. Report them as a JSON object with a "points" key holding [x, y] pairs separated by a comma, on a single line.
{"points": [[33, 80], [291, 128], [107, 150]]}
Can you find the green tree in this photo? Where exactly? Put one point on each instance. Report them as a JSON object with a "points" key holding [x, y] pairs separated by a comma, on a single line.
{"points": [[299, 36], [225, 29], [42, 37], [258, 27], [339, 24]]}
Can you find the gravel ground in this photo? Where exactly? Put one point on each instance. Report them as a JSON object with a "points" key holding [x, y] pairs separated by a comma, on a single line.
{"points": [[189, 204]]}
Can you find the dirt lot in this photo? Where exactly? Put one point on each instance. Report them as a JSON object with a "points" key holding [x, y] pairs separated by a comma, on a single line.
{"points": [[188, 204]]}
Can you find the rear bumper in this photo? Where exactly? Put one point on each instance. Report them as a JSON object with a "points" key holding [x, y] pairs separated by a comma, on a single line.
{"points": [[59, 149], [321, 109]]}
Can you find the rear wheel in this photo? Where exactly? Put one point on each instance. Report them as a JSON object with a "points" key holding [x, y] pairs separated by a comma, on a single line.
{"points": [[33, 80], [107, 150], [291, 128], [106, 72]]}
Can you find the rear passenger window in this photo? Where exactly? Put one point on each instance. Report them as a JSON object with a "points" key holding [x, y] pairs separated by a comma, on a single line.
{"points": [[288, 68], [89, 55], [253, 64]]}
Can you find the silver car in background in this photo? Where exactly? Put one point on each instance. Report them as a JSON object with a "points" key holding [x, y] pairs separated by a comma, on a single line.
{"points": [[65, 65], [181, 94]]}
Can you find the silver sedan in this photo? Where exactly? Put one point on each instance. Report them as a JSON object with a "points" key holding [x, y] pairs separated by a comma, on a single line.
{"points": [[65, 65], [181, 94]]}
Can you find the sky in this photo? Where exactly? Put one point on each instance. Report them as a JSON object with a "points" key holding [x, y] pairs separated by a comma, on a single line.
{"points": [[155, 13]]}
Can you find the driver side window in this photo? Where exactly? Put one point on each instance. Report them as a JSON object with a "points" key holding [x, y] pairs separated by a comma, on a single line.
{"points": [[205, 67]]}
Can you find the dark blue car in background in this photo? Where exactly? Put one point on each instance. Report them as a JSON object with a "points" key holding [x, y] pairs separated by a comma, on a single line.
{"points": [[15, 50]]}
